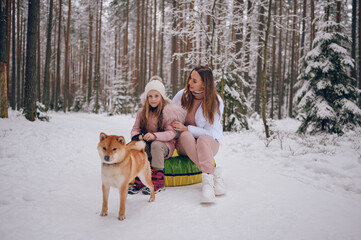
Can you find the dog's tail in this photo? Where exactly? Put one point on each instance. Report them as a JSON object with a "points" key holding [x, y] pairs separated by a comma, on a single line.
{"points": [[136, 145]]}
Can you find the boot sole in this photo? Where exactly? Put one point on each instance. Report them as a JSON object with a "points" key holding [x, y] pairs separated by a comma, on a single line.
{"points": [[146, 192], [208, 201]]}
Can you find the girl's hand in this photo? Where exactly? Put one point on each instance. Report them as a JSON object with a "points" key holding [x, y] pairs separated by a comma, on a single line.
{"points": [[178, 126], [149, 137]]}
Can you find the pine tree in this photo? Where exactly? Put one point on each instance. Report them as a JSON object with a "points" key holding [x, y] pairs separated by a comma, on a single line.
{"points": [[236, 107], [122, 100], [328, 96]]}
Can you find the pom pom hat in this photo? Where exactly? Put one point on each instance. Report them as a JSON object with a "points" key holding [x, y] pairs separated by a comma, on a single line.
{"points": [[155, 83]]}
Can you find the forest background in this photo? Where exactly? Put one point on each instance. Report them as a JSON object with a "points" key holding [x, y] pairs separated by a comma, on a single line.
{"points": [[274, 58]]}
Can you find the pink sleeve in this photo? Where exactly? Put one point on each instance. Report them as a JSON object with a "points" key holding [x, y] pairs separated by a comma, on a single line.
{"points": [[167, 135], [136, 127]]}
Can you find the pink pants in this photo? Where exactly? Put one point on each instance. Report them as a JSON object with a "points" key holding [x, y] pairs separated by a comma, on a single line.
{"points": [[201, 150]]}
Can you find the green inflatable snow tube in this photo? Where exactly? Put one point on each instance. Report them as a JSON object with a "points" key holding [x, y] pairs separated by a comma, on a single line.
{"points": [[180, 170]]}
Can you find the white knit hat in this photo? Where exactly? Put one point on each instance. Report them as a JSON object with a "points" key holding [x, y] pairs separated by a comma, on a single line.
{"points": [[155, 83]]}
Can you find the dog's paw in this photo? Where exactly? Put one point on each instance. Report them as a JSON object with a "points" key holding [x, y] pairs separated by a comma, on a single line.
{"points": [[121, 218], [151, 199], [103, 214]]}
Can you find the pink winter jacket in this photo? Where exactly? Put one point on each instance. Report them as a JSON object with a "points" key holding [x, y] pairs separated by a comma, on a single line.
{"points": [[171, 112]]}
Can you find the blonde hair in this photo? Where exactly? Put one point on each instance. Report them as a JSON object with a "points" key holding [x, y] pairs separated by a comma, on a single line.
{"points": [[158, 112]]}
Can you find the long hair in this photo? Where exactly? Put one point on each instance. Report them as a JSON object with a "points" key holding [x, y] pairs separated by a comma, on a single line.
{"points": [[157, 111], [210, 101]]}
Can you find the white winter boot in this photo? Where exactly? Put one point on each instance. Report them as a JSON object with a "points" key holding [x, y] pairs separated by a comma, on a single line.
{"points": [[219, 188], [208, 195]]}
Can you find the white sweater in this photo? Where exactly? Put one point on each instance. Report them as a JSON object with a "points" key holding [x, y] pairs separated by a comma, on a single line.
{"points": [[203, 126]]}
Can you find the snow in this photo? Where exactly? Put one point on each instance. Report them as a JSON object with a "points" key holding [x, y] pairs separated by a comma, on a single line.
{"points": [[338, 49], [322, 84], [288, 187], [308, 95], [352, 107], [323, 110]]}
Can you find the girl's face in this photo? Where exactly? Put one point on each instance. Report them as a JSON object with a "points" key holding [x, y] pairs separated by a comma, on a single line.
{"points": [[154, 98], [195, 82]]}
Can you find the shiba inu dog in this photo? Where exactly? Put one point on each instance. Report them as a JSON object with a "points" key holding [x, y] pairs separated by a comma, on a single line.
{"points": [[121, 163]]}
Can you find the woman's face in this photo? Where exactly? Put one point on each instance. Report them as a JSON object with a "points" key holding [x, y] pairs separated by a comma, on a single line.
{"points": [[154, 98], [195, 82]]}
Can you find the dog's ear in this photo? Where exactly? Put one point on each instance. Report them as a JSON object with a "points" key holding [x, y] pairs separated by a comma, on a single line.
{"points": [[103, 136], [121, 139]]}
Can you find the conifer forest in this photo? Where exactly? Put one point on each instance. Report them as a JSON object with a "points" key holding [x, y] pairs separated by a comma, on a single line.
{"points": [[271, 59]]}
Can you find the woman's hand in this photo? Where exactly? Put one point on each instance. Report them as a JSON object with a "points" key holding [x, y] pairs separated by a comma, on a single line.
{"points": [[178, 126], [149, 137]]}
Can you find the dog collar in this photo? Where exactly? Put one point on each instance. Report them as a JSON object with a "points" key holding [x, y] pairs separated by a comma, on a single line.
{"points": [[111, 164]]}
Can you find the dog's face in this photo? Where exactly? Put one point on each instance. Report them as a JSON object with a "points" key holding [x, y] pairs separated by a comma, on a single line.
{"points": [[111, 148]]}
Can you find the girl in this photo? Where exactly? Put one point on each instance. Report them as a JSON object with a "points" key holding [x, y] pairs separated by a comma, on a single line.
{"points": [[153, 125], [202, 131]]}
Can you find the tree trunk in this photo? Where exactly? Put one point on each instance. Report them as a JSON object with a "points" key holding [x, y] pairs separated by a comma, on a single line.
{"points": [[18, 65], [286, 56], [303, 26], [95, 86], [66, 82], [279, 70], [338, 14], [3, 58], [273, 61], [13, 65], [182, 46], [46, 86], [115, 52], [57, 80], [238, 34], [54, 49], [264, 93], [97, 68], [85, 70], [162, 42], [359, 48], [125, 47], [145, 44], [3, 81], [90, 69], [190, 40], [8, 20], [150, 38], [23, 42], [155, 66], [353, 36], [38, 81], [173, 51], [313, 28], [247, 44], [210, 45], [259, 61], [141, 56], [293, 72], [137, 43], [30, 70]]}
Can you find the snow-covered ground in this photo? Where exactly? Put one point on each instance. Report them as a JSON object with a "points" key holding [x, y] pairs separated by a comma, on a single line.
{"points": [[291, 187]]}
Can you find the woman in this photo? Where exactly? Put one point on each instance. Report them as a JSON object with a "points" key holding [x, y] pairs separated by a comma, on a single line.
{"points": [[202, 131]]}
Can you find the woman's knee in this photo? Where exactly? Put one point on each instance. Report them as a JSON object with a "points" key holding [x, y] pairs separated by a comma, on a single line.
{"points": [[204, 139], [186, 135], [207, 143]]}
